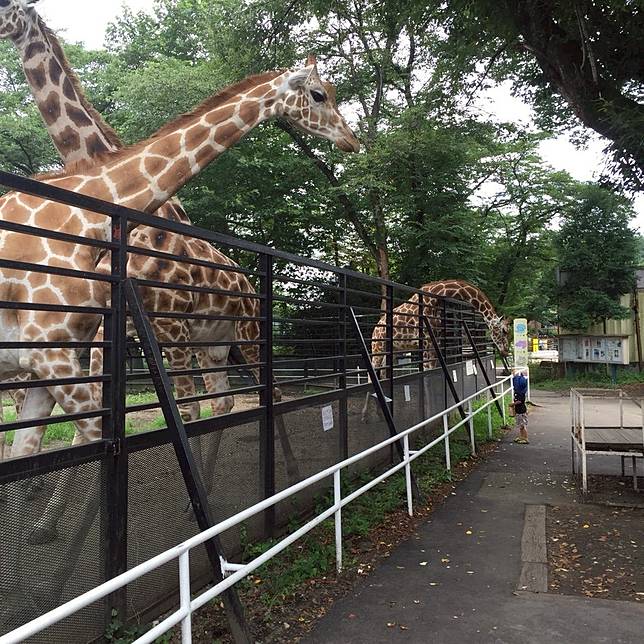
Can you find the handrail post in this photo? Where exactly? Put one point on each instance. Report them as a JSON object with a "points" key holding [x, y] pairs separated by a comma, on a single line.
{"points": [[448, 460], [184, 596], [410, 504], [470, 422], [489, 412], [621, 409], [503, 401], [266, 394], [337, 500]]}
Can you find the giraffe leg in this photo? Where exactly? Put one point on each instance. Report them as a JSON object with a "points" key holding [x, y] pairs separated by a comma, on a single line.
{"points": [[217, 382], [184, 386], [73, 399]]}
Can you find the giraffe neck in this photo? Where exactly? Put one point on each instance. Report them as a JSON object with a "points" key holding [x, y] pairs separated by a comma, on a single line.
{"points": [[146, 175], [75, 127]]}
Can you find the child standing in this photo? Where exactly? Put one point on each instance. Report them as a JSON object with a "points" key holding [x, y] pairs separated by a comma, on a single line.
{"points": [[520, 386]]}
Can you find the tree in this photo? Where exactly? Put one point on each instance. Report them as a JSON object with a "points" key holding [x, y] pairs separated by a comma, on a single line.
{"points": [[597, 254], [588, 52]]}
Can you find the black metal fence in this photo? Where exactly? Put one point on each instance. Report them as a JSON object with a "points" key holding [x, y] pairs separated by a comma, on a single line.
{"points": [[73, 516]]}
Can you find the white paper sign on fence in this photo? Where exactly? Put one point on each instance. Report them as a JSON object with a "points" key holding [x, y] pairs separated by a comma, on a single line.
{"points": [[407, 389], [327, 418], [469, 368], [454, 376]]}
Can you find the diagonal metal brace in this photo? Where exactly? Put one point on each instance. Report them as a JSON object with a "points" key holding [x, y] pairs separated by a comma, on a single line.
{"points": [[480, 361], [443, 364], [382, 399], [189, 470]]}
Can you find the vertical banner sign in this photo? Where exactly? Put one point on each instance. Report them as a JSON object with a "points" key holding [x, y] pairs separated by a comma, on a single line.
{"points": [[520, 342]]}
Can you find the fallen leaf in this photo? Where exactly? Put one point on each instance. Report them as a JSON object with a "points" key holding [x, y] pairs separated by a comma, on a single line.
{"points": [[423, 563], [468, 532]]}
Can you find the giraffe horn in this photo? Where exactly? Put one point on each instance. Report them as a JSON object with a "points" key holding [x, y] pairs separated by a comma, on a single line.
{"points": [[311, 60]]}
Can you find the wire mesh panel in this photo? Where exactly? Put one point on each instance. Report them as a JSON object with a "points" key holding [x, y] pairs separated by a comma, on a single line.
{"points": [[35, 576]]}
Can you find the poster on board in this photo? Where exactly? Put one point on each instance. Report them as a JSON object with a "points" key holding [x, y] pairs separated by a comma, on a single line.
{"points": [[520, 342]]}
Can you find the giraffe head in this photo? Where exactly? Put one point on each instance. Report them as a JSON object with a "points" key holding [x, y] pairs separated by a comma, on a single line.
{"points": [[14, 18], [309, 104], [500, 331]]}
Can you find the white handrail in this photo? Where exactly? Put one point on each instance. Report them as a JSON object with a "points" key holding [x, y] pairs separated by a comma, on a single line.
{"points": [[181, 551]]}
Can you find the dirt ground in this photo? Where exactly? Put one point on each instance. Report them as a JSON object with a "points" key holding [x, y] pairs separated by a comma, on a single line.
{"points": [[596, 551]]}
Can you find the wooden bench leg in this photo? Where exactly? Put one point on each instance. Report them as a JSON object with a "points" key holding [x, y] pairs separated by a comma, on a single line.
{"points": [[634, 459]]}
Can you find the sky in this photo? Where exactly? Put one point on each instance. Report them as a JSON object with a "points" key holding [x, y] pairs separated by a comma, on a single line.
{"points": [[86, 20]]}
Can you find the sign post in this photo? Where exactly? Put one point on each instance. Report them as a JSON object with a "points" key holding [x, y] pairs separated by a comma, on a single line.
{"points": [[521, 347]]}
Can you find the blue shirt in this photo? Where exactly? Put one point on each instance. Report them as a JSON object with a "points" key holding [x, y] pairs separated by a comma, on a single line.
{"points": [[520, 384]]}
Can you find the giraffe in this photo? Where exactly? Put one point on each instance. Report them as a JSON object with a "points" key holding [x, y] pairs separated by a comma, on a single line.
{"points": [[406, 321], [461, 290], [143, 177], [80, 133]]}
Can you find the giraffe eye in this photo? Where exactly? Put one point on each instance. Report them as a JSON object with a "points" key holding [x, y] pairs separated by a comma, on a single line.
{"points": [[318, 97]]}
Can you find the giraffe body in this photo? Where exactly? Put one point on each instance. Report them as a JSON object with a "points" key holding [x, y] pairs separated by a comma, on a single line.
{"points": [[406, 322], [80, 135], [143, 177]]}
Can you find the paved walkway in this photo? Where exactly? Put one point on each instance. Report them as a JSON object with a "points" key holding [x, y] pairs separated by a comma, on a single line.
{"points": [[456, 579]]}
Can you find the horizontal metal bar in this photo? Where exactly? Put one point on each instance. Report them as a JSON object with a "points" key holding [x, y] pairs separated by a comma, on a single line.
{"points": [[16, 469], [207, 343], [53, 382], [197, 289], [186, 259], [198, 372], [55, 270], [174, 315], [34, 231], [52, 420], [54, 345], [336, 322], [60, 308]]}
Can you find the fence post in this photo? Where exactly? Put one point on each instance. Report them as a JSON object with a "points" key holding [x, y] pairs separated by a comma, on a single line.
{"points": [[448, 460], [115, 466], [421, 350], [343, 434], [390, 354], [410, 503], [266, 378], [470, 422], [337, 499]]}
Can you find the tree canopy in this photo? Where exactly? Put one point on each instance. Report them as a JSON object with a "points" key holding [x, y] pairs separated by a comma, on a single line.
{"points": [[437, 192]]}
